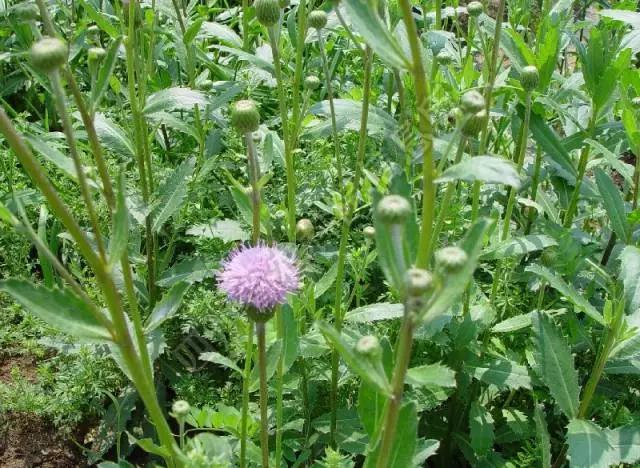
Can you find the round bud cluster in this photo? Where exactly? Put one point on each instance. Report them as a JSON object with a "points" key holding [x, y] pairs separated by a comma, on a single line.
{"points": [[305, 229], [245, 116], [267, 12], [49, 54], [312, 82], [180, 408], [529, 77], [451, 259], [369, 232], [369, 346], [474, 123], [444, 57], [393, 209], [317, 19], [472, 102], [419, 281], [96, 53], [475, 9]]}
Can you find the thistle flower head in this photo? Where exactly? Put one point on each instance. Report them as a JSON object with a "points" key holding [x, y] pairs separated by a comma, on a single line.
{"points": [[259, 276]]}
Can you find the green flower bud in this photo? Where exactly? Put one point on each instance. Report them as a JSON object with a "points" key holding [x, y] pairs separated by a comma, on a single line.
{"points": [[529, 77], [317, 19], [180, 408], [419, 281], [472, 102], [455, 115], [444, 57], [474, 123], [312, 82], [26, 11], [451, 259], [96, 53], [49, 54], [369, 232], [475, 9], [205, 85], [636, 102], [305, 229], [267, 12], [369, 346], [393, 209], [245, 116]]}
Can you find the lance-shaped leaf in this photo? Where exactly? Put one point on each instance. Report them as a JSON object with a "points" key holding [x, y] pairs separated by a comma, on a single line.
{"points": [[481, 429], [172, 193], [60, 308], [404, 441], [106, 69], [120, 234], [487, 169], [174, 99], [542, 436], [168, 306], [517, 246], [555, 364], [630, 276], [614, 204], [375, 312], [588, 445]]}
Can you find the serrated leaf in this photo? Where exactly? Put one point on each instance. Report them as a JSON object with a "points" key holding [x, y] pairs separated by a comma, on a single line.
{"points": [[325, 281], [222, 32], [577, 299], [625, 443], [588, 445], [630, 276], [375, 312], [517, 246], [481, 429], [500, 372], [172, 193], [487, 169], [106, 69], [60, 308], [228, 230], [168, 306], [190, 270], [217, 358], [555, 364], [437, 375], [614, 204], [176, 98], [542, 436], [113, 137]]}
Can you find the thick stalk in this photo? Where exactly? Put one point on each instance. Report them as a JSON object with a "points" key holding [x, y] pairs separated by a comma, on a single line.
{"points": [[390, 418], [279, 388], [61, 106], [297, 74], [288, 153], [426, 134], [246, 377], [254, 177], [262, 364], [334, 125], [245, 25], [534, 187], [344, 235]]}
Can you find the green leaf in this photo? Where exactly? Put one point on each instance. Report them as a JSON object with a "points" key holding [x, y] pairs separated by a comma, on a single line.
{"points": [[113, 137], [120, 233], [272, 357], [326, 281], [174, 99], [626, 16], [290, 341], [172, 193], [247, 57], [481, 429], [168, 306], [577, 299], [487, 169], [436, 375], [588, 445], [357, 363], [104, 74], [366, 21], [630, 276], [227, 230], [500, 372], [190, 270], [217, 358], [375, 312], [101, 19], [60, 308], [542, 436], [457, 283], [551, 145], [625, 443], [518, 246], [371, 405], [221, 32], [515, 323], [404, 441], [555, 364], [614, 204]]}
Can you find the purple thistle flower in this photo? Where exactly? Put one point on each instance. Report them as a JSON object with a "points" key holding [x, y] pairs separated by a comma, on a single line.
{"points": [[259, 276]]}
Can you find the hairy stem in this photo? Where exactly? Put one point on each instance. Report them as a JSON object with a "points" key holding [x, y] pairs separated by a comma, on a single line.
{"points": [[264, 395]]}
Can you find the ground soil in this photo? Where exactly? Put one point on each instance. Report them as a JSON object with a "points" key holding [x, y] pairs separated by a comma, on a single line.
{"points": [[27, 440]]}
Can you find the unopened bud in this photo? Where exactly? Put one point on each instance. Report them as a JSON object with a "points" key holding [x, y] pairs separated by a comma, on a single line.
{"points": [[393, 209], [444, 57], [312, 82], [205, 85], [451, 259], [472, 102], [267, 12], [369, 232], [369, 346], [475, 9], [529, 77], [49, 54], [317, 19], [419, 281], [96, 53], [245, 116], [474, 123], [180, 408], [305, 229]]}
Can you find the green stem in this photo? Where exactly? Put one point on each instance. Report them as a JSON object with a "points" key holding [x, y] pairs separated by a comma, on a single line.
{"points": [[426, 134], [534, 187], [246, 377], [279, 389], [390, 418], [245, 25], [254, 177], [262, 364], [352, 203]]}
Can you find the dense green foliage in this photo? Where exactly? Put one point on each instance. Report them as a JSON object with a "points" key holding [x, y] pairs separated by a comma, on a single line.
{"points": [[457, 185]]}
